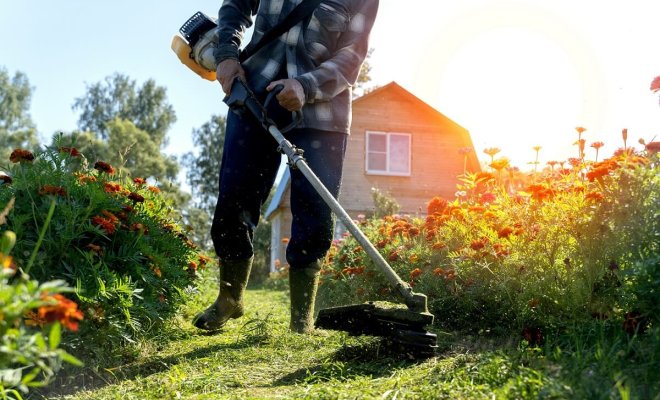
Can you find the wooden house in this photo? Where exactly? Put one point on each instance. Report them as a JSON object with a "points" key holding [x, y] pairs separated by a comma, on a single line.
{"points": [[398, 144]]}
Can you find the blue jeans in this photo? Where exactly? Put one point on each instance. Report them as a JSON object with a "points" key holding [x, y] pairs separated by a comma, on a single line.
{"points": [[249, 165]]}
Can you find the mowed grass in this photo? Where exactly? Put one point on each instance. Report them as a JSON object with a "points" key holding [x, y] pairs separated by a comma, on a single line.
{"points": [[257, 357]]}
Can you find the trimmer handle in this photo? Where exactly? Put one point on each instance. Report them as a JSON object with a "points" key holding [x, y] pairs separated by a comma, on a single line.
{"points": [[241, 98]]}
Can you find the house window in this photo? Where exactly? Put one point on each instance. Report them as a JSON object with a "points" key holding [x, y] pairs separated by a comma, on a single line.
{"points": [[388, 153]]}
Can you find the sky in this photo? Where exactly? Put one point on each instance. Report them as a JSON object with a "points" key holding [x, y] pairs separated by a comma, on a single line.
{"points": [[515, 73]]}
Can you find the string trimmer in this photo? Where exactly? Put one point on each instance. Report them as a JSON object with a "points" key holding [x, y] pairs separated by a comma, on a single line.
{"points": [[404, 326]]}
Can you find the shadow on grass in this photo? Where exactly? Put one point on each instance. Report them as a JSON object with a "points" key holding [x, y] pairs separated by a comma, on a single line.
{"points": [[376, 358], [88, 379]]}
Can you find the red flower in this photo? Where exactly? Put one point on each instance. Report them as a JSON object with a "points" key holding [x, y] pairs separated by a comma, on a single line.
{"points": [[532, 335], [653, 147], [505, 232], [64, 310], [136, 197], [104, 167], [478, 244], [436, 205], [139, 181], [111, 187], [594, 196], [20, 155], [488, 197], [48, 190], [415, 273], [105, 224], [72, 151]]}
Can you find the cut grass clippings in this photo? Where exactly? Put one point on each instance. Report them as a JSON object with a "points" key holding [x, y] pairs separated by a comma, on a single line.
{"points": [[257, 357]]}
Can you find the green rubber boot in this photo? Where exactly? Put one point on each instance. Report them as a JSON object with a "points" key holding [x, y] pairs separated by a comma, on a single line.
{"points": [[229, 304], [303, 283]]}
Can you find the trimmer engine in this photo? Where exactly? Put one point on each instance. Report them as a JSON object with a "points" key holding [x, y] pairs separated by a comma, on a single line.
{"points": [[195, 46]]}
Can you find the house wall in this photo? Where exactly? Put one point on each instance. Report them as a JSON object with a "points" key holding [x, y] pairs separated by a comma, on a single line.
{"points": [[435, 161]]}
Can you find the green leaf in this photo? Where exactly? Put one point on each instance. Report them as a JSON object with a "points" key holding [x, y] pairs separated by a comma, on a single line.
{"points": [[29, 377], [40, 342], [66, 357], [55, 335]]}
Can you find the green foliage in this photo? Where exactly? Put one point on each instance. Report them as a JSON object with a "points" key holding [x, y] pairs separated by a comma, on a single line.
{"points": [[30, 357], [118, 97], [568, 250], [202, 169], [16, 126], [203, 166], [115, 240], [383, 203]]}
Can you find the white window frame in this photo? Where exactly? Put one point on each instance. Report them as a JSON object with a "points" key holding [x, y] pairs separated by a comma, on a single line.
{"points": [[387, 170]]}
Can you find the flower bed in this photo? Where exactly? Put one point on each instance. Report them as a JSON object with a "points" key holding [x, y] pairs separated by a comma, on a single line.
{"points": [[114, 239], [569, 245]]}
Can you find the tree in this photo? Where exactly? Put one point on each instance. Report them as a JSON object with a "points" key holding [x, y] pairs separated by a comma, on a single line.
{"points": [[364, 77], [119, 97], [202, 176], [16, 127], [202, 168], [126, 126]]}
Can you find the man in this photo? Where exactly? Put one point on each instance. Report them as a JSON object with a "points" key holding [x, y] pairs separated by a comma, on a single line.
{"points": [[316, 61]]}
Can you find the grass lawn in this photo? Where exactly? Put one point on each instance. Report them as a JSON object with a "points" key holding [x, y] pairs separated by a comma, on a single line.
{"points": [[257, 357]]}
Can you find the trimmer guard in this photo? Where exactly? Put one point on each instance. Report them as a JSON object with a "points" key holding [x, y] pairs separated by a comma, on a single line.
{"points": [[398, 324]]}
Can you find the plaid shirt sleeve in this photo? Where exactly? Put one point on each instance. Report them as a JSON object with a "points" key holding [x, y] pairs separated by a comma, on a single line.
{"points": [[234, 17], [340, 71]]}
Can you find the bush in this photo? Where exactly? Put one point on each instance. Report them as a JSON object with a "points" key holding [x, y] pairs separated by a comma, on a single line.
{"points": [[574, 245], [30, 357], [114, 239]]}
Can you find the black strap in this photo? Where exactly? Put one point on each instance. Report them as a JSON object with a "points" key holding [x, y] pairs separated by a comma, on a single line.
{"points": [[302, 10]]}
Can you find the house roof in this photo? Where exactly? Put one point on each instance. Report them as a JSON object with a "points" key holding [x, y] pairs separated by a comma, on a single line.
{"points": [[402, 93], [392, 87]]}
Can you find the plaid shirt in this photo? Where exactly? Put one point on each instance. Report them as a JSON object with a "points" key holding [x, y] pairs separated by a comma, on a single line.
{"points": [[324, 52]]}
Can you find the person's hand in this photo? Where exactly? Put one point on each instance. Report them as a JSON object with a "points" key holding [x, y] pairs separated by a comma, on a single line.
{"points": [[227, 71], [292, 97]]}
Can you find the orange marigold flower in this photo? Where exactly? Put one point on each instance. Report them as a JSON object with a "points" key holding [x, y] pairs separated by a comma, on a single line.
{"points": [[597, 145], [416, 273], [6, 262], [104, 167], [394, 255], [478, 244], [653, 147], [136, 197], [438, 271], [153, 189], [111, 187], [6, 179], [505, 232], [436, 205], [382, 243], [438, 245], [110, 216], [82, 178], [104, 224], [72, 151], [52, 190], [192, 265], [21, 155], [594, 196], [63, 310], [203, 260], [139, 181], [95, 248], [487, 197], [157, 271], [476, 209]]}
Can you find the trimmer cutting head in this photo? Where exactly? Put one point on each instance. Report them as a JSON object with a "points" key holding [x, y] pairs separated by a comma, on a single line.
{"points": [[401, 326]]}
